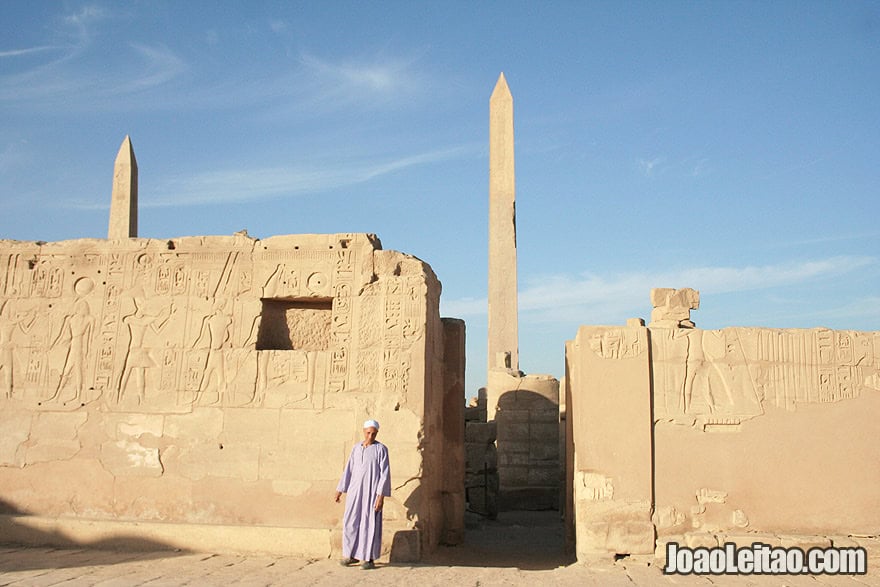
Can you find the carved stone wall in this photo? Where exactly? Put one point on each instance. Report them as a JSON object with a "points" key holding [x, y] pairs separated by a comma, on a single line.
{"points": [[217, 380], [765, 431], [739, 434], [608, 430]]}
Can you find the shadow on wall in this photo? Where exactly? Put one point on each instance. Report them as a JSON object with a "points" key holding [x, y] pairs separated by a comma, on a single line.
{"points": [[406, 544], [16, 532]]}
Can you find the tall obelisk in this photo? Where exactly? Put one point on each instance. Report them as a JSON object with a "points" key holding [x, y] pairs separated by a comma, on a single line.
{"points": [[124, 202], [503, 331]]}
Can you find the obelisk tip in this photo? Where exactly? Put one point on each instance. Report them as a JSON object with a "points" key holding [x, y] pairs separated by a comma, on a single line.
{"points": [[501, 89], [126, 151]]}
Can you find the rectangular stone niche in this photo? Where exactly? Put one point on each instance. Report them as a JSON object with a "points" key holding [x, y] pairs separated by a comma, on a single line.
{"points": [[295, 324]]}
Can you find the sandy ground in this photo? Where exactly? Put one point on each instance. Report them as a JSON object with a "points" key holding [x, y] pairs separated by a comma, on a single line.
{"points": [[517, 549]]}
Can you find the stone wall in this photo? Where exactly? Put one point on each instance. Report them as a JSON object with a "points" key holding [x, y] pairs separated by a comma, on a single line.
{"points": [[526, 413], [608, 422], [765, 431], [702, 437], [481, 459], [204, 392]]}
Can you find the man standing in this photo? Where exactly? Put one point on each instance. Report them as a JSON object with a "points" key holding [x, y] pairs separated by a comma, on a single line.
{"points": [[367, 481]]}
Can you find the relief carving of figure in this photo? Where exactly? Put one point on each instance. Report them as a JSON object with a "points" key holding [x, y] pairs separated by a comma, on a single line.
{"points": [[703, 363], [8, 325], [213, 335], [138, 359], [262, 363], [77, 327]]}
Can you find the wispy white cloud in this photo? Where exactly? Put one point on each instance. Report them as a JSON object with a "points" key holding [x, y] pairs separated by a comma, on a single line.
{"points": [[27, 51], [80, 25], [69, 80], [861, 308], [159, 66], [76, 75], [251, 184], [379, 77], [562, 298], [692, 167], [364, 81]]}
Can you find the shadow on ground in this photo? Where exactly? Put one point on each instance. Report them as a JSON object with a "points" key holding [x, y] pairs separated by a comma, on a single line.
{"points": [[531, 541], [15, 533]]}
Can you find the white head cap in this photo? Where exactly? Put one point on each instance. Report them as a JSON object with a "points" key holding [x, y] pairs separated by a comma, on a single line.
{"points": [[371, 424]]}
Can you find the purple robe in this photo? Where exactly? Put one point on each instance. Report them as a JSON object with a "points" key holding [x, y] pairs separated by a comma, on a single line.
{"points": [[366, 475]]}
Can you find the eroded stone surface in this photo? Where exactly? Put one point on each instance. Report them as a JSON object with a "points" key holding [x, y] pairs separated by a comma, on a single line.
{"points": [[226, 376], [737, 420]]}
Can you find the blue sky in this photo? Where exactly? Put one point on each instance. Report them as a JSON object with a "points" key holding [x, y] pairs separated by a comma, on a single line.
{"points": [[732, 147]]}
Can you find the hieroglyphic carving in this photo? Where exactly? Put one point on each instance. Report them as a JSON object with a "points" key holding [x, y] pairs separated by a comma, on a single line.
{"points": [[163, 280], [369, 329], [142, 269], [283, 282], [317, 284], [594, 486], [393, 328], [344, 267], [146, 330], [109, 325], [341, 327], [169, 375], [202, 283], [723, 377], [368, 370], [614, 343], [395, 290], [180, 280], [338, 369], [46, 281], [36, 370], [342, 319], [413, 311], [195, 367]]}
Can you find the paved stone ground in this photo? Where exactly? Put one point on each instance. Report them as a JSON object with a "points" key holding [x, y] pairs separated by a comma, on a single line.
{"points": [[515, 550]]}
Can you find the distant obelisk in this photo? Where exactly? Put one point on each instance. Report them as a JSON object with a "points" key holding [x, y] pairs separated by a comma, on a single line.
{"points": [[124, 202], [503, 330]]}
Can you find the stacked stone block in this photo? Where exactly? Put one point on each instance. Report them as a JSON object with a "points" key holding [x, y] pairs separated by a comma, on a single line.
{"points": [[481, 479]]}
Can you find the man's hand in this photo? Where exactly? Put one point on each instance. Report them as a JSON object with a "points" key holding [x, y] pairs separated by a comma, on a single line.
{"points": [[338, 495], [380, 501]]}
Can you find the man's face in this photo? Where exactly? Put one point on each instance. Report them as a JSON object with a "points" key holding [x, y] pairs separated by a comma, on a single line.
{"points": [[370, 435]]}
